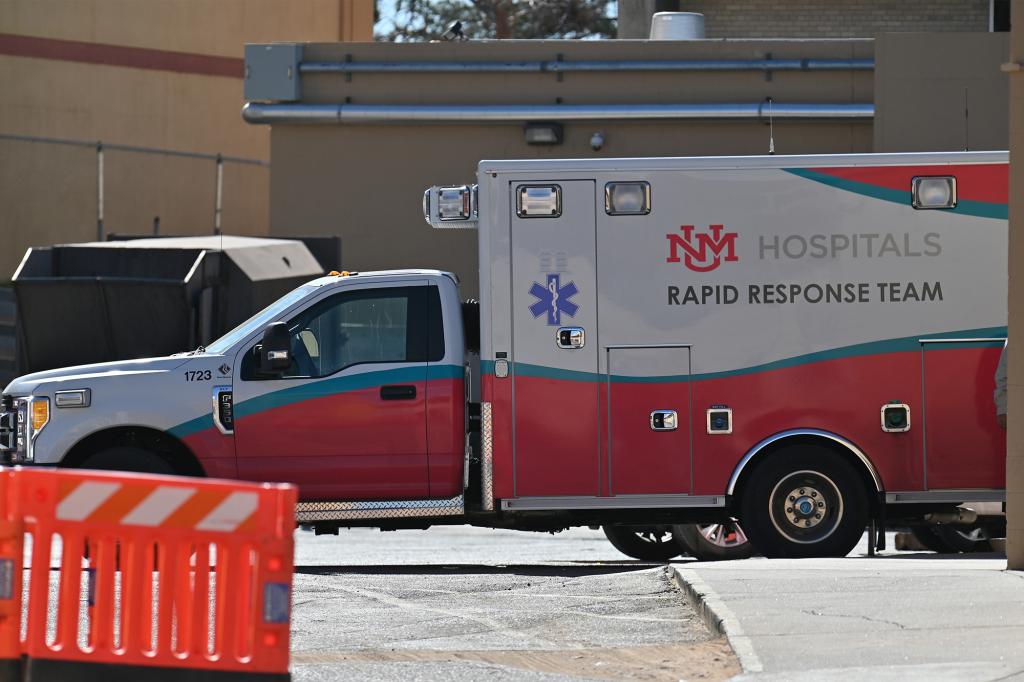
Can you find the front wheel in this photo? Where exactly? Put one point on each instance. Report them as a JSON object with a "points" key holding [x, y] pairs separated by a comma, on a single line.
{"points": [[646, 543], [804, 502], [128, 458], [714, 541]]}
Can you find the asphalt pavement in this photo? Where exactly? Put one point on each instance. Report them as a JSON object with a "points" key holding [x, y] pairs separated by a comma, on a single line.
{"points": [[462, 603], [898, 616]]}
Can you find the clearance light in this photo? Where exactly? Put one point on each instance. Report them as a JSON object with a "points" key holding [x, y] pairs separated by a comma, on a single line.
{"points": [[934, 192], [539, 201], [627, 198], [40, 413]]}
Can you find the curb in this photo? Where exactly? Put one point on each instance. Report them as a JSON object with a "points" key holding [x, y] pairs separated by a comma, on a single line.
{"points": [[718, 617]]}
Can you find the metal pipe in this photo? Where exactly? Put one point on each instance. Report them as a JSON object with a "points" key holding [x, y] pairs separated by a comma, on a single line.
{"points": [[131, 148], [551, 66], [219, 195], [256, 112], [99, 191]]}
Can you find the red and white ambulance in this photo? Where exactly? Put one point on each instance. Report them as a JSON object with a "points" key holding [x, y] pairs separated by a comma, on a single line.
{"points": [[802, 343]]}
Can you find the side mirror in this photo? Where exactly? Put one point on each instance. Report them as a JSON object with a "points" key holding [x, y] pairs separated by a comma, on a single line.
{"points": [[274, 351]]}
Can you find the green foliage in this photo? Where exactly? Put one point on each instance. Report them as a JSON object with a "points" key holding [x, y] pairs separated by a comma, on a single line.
{"points": [[423, 20]]}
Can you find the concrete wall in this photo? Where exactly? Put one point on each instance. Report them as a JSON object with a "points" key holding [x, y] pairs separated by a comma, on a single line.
{"points": [[940, 92], [365, 182], [1015, 375], [153, 73], [834, 18]]}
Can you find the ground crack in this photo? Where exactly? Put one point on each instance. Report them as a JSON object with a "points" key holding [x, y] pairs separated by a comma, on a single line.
{"points": [[812, 612]]}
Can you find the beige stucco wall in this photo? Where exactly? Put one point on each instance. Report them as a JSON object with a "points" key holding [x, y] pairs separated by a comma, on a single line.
{"points": [[940, 92], [1015, 374], [365, 183], [48, 193]]}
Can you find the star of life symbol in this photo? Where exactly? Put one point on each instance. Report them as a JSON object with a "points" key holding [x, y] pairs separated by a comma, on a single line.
{"points": [[554, 299]]}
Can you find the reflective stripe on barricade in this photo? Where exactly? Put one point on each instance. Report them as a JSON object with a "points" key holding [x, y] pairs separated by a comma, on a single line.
{"points": [[160, 577]]}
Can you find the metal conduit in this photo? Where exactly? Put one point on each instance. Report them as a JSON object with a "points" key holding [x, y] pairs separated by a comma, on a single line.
{"points": [[255, 112], [598, 66]]}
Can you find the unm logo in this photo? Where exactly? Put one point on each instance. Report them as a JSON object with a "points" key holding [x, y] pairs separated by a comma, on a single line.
{"points": [[703, 252], [553, 299]]}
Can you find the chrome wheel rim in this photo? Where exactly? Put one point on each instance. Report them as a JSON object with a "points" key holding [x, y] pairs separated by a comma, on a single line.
{"points": [[726, 535], [806, 507]]}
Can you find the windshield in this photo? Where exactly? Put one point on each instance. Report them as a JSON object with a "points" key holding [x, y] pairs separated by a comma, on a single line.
{"points": [[260, 319]]}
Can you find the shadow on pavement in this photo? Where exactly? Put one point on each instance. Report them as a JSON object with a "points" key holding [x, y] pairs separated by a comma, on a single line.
{"points": [[933, 556], [561, 571]]}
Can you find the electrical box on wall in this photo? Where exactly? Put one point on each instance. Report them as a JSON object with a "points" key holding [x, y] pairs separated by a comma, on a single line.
{"points": [[272, 72]]}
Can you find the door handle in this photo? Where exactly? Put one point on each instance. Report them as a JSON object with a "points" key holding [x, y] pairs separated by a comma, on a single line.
{"points": [[400, 392]]}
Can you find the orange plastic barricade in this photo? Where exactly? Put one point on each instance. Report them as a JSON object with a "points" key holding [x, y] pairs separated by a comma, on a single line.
{"points": [[160, 577]]}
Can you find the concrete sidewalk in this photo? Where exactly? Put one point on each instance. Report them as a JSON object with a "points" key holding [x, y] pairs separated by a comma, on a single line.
{"points": [[897, 616]]}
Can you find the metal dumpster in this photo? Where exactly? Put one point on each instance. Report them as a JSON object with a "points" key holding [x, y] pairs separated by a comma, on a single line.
{"points": [[100, 301]]}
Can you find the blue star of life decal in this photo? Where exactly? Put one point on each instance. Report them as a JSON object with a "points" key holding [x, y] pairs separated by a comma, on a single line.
{"points": [[554, 300]]}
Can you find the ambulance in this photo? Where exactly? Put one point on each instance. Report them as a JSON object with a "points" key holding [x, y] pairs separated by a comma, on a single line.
{"points": [[802, 344]]}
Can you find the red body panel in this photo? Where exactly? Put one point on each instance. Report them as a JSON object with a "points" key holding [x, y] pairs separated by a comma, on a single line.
{"points": [[446, 434], [215, 452], [347, 446], [965, 446], [643, 461], [557, 429]]}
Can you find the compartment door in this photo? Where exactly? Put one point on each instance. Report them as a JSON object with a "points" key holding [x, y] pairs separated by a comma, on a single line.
{"points": [[555, 390], [649, 387], [964, 444]]}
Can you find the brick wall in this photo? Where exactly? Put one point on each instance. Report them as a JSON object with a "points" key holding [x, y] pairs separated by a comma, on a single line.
{"points": [[836, 18]]}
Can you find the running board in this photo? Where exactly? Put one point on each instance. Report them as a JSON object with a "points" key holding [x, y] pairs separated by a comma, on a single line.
{"points": [[306, 512], [616, 502]]}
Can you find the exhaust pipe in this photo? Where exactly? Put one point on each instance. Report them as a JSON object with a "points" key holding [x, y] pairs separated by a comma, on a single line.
{"points": [[960, 515]]}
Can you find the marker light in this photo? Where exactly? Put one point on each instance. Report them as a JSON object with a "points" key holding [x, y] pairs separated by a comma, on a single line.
{"points": [[934, 192], [627, 198], [539, 201], [40, 413]]}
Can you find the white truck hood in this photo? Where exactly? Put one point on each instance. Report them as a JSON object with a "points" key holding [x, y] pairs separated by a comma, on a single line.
{"points": [[27, 384]]}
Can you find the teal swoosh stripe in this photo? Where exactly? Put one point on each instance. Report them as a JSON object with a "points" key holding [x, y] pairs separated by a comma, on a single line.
{"points": [[320, 389], [901, 345], [981, 209]]}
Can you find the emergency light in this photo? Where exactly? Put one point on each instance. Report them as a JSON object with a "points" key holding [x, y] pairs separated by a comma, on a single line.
{"points": [[627, 198], [451, 207], [934, 192]]}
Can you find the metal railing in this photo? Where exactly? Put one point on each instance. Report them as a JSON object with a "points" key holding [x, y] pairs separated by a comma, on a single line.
{"points": [[103, 147]]}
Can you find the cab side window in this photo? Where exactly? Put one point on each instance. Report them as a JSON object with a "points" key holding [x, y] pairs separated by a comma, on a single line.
{"points": [[394, 324]]}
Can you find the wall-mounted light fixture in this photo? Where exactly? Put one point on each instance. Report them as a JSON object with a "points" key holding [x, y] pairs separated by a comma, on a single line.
{"points": [[543, 133]]}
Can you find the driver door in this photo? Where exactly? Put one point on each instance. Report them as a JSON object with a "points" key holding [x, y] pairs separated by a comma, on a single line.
{"points": [[347, 420]]}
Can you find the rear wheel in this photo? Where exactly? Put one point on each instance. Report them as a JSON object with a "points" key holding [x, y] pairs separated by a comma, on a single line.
{"points": [[714, 541], [804, 502], [646, 543]]}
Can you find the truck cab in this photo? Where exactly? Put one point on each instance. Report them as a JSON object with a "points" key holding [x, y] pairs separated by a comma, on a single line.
{"points": [[329, 388]]}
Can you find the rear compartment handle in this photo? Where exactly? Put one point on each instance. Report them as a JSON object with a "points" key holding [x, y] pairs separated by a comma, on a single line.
{"points": [[398, 392]]}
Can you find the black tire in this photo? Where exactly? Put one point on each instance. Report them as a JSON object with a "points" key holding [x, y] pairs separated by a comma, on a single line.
{"points": [[128, 458], [953, 539], [804, 501], [714, 541], [646, 543]]}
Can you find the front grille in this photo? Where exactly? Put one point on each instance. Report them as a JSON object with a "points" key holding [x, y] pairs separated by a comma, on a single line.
{"points": [[8, 403]]}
